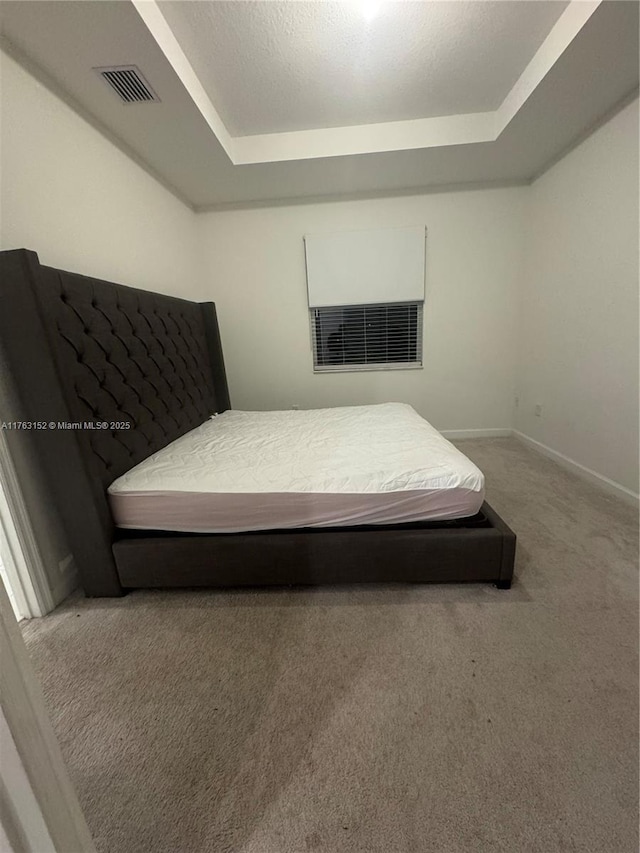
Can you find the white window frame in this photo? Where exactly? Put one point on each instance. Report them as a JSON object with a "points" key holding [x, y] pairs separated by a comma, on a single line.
{"points": [[357, 367]]}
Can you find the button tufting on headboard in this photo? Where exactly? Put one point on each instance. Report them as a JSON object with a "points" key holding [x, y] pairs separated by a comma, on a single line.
{"points": [[127, 356]]}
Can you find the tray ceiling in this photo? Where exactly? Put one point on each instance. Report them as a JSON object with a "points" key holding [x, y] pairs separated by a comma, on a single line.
{"points": [[288, 100]]}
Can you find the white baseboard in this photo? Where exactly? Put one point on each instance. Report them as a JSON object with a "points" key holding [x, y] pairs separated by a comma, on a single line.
{"points": [[477, 433], [605, 483]]}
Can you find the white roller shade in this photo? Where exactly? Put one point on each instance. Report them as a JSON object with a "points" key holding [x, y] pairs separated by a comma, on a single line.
{"points": [[365, 267]]}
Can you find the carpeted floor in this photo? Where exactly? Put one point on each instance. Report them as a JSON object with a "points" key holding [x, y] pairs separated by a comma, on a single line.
{"points": [[370, 720]]}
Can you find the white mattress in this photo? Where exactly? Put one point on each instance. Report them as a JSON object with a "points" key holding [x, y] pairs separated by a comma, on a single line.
{"points": [[244, 471]]}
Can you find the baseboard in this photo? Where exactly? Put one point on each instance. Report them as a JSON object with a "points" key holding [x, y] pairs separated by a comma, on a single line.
{"points": [[605, 483], [477, 433]]}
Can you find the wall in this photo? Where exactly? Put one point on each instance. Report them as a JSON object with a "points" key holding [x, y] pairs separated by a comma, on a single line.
{"points": [[579, 324], [83, 205], [255, 264]]}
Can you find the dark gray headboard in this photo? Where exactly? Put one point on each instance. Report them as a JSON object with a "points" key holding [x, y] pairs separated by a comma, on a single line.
{"points": [[80, 350], [127, 356]]}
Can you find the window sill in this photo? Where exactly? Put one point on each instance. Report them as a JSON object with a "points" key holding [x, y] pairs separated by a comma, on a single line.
{"points": [[363, 368]]}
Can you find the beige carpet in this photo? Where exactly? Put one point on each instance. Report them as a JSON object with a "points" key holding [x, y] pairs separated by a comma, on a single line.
{"points": [[369, 720]]}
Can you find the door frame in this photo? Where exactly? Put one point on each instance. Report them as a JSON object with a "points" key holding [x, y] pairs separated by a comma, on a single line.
{"points": [[18, 546], [39, 808]]}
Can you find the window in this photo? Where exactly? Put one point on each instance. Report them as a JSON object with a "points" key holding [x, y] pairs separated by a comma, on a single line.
{"points": [[367, 337], [366, 292]]}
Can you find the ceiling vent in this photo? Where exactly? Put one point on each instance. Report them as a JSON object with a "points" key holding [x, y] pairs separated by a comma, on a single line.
{"points": [[128, 83]]}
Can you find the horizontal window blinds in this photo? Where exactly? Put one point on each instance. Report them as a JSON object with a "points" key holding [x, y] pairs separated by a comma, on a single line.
{"points": [[365, 267], [367, 336]]}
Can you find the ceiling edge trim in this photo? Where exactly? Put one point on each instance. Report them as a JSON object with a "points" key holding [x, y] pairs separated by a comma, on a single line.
{"points": [[157, 25], [564, 31], [295, 201], [437, 132], [43, 77]]}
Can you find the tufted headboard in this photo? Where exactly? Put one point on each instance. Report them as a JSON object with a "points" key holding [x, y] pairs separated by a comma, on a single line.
{"points": [[128, 370], [127, 357]]}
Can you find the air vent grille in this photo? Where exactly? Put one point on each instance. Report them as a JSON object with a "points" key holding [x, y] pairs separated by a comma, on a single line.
{"points": [[128, 83]]}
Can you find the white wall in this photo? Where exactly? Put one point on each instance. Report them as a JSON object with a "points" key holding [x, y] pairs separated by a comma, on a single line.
{"points": [[579, 325], [83, 205], [254, 260]]}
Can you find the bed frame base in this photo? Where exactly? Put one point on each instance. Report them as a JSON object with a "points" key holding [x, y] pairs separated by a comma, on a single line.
{"points": [[403, 554]]}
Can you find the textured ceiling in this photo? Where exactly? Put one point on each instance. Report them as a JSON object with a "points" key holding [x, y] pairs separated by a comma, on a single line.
{"points": [[279, 66], [589, 73]]}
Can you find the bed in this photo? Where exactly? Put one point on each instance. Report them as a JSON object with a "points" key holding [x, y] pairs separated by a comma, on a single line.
{"points": [[159, 483]]}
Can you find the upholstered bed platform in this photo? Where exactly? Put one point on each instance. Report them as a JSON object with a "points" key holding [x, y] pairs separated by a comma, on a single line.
{"points": [[109, 377]]}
